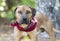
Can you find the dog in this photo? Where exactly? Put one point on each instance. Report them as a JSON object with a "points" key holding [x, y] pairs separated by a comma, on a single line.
{"points": [[23, 14]]}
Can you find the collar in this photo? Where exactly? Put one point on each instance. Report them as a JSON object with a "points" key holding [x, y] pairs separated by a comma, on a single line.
{"points": [[31, 26]]}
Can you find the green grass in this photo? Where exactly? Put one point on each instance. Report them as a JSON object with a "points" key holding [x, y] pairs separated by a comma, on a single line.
{"points": [[57, 40]]}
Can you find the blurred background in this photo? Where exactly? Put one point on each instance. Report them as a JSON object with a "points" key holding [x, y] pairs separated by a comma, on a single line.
{"points": [[51, 8]]}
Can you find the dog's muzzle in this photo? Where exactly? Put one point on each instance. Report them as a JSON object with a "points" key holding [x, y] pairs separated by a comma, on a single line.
{"points": [[25, 21]]}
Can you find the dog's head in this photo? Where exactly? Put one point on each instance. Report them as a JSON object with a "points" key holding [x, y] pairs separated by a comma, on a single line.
{"points": [[24, 13]]}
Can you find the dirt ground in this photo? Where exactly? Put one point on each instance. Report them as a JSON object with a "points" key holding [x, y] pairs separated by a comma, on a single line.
{"points": [[6, 34]]}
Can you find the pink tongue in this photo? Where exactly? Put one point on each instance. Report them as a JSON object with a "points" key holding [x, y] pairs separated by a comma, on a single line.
{"points": [[30, 27]]}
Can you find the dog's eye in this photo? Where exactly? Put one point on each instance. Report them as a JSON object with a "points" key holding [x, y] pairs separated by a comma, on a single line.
{"points": [[27, 12], [19, 12]]}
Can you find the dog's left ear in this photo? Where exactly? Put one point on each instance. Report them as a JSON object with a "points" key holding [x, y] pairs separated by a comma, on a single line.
{"points": [[33, 11]]}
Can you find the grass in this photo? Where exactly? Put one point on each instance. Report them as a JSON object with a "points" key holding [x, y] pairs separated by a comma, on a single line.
{"points": [[57, 40]]}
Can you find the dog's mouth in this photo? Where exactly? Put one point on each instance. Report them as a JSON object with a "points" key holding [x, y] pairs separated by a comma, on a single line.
{"points": [[25, 22]]}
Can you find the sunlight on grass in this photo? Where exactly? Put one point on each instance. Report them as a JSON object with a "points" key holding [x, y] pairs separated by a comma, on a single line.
{"points": [[26, 38], [1, 38], [57, 40]]}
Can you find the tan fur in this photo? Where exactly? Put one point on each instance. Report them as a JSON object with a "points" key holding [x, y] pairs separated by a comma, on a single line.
{"points": [[43, 22]]}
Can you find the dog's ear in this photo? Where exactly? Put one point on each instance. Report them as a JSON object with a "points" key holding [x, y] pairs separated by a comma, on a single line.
{"points": [[33, 11], [15, 10]]}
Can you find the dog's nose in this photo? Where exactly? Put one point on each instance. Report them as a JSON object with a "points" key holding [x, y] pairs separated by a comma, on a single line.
{"points": [[24, 19]]}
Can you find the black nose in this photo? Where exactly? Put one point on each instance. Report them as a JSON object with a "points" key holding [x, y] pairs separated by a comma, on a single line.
{"points": [[24, 19]]}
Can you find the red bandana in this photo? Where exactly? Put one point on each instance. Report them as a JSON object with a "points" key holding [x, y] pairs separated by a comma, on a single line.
{"points": [[31, 26]]}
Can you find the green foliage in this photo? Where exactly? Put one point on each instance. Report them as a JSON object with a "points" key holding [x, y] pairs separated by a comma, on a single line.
{"points": [[10, 15], [30, 3], [0, 2]]}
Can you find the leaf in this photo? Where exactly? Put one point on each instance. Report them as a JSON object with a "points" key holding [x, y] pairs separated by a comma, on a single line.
{"points": [[10, 15], [0, 2], [30, 3]]}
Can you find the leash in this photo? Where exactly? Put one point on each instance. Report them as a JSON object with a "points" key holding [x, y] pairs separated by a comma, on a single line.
{"points": [[31, 26]]}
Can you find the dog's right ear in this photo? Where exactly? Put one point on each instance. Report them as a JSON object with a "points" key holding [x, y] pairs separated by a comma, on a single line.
{"points": [[15, 10]]}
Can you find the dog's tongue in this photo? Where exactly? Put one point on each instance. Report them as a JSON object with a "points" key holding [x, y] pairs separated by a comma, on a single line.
{"points": [[30, 27]]}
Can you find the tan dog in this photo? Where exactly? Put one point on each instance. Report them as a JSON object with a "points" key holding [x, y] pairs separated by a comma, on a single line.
{"points": [[23, 15]]}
